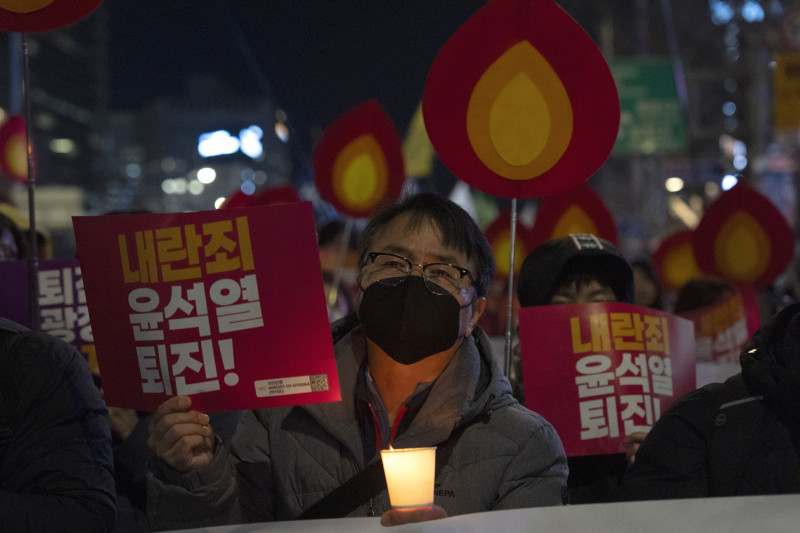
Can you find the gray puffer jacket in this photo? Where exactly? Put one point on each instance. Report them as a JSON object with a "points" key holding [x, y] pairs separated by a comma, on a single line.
{"points": [[492, 452]]}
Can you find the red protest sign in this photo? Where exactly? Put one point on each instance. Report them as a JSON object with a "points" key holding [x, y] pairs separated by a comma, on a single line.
{"points": [[226, 306], [721, 331], [601, 371]]}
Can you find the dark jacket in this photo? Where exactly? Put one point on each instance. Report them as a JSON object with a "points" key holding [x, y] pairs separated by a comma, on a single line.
{"points": [[56, 468], [746, 442], [283, 460]]}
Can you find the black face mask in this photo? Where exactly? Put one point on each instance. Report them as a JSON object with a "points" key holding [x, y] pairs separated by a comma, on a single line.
{"points": [[408, 321]]}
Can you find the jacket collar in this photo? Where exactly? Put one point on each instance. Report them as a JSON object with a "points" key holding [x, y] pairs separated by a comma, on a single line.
{"points": [[470, 385]]}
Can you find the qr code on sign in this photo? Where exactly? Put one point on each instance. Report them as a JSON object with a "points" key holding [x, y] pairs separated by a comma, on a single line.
{"points": [[319, 383]]}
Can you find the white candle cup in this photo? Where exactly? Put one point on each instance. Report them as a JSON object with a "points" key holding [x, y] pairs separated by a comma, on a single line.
{"points": [[409, 476]]}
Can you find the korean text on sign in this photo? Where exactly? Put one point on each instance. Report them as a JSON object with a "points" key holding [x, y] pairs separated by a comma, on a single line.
{"points": [[177, 254], [643, 374]]}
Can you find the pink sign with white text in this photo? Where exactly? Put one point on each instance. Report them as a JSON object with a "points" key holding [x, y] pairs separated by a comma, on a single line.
{"points": [[601, 371], [225, 306]]}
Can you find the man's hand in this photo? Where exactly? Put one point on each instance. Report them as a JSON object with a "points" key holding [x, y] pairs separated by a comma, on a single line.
{"points": [[179, 436], [396, 517], [632, 443]]}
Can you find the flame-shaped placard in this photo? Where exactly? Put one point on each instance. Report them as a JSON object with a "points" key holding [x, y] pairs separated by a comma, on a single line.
{"points": [[743, 238], [519, 102], [28, 16], [13, 149], [498, 233], [284, 194], [674, 260], [358, 163], [579, 210]]}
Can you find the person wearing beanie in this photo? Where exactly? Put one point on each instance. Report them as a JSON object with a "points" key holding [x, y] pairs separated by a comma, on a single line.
{"points": [[578, 268], [736, 438], [572, 269]]}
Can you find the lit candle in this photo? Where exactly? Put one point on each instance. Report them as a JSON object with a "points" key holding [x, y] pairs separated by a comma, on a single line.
{"points": [[409, 476]]}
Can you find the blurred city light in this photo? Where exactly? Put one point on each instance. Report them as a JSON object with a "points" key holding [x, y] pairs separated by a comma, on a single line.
{"points": [[62, 146], [180, 185], [722, 12], [206, 175], [729, 181], [133, 170], [216, 143], [673, 184], [196, 188], [712, 189], [168, 186], [250, 141], [729, 108], [281, 131], [752, 11]]}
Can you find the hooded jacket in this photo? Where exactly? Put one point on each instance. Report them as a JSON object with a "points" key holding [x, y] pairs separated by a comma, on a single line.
{"points": [[492, 453], [679, 457]]}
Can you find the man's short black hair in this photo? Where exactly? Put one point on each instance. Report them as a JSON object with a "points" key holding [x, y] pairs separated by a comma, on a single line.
{"points": [[459, 231]]}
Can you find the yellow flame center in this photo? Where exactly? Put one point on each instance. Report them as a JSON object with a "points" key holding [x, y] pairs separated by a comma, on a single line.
{"points": [[519, 117], [574, 220], [360, 173], [17, 155], [680, 265], [24, 6], [502, 253], [743, 250]]}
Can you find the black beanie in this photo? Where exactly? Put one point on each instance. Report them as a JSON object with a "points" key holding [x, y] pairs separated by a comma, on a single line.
{"points": [[577, 252]]}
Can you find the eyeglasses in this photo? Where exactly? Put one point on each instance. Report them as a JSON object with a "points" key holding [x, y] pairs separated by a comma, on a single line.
{"points": [[391, 269]]}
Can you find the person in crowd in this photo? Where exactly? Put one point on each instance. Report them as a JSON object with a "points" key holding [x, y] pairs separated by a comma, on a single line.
{"points": [[44, 240], [740, 437], [338, 250], [56, 468], [415, 371], [12, 242], [701, 292], [580, 268], [129, 447], [647, 289]]}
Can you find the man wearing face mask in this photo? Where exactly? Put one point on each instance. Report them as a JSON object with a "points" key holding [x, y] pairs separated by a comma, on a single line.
{"points": [[414, 370]]}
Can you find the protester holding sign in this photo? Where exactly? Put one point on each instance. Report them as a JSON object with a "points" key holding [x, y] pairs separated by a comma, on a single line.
{"points": [[415, 372], [738, 438], [580, 268]]}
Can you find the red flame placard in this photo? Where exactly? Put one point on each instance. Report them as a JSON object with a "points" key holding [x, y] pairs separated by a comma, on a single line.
{"points": [[358, 163], [579, 210], [13, 149], [674, 261], [743, 238], [275, 195], [519, 102], [498, 233], [27, 16]]}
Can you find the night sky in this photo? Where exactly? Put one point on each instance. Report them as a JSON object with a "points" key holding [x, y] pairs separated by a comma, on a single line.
{"points": [[316, 58]]}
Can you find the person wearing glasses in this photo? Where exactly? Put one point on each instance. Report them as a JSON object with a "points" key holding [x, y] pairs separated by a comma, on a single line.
{"points": [[414, 371]]}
